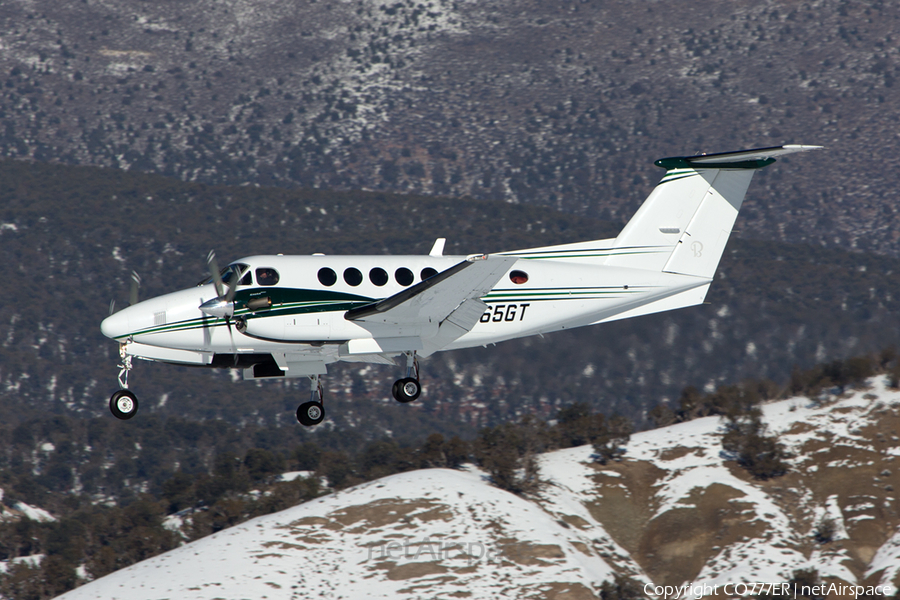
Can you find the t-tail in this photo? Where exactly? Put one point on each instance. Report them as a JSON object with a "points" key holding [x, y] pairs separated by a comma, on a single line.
{"points": [[684, 224]]}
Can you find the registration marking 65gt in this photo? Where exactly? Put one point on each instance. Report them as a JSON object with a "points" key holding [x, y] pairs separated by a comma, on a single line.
{"points": [[504, 312]]}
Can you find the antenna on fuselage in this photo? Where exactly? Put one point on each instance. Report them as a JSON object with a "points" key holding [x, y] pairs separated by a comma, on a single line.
{"points": [[438, 248]]}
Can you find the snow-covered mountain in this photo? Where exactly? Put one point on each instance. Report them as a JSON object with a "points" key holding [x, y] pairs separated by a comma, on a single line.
{"points": [[674, 511]]}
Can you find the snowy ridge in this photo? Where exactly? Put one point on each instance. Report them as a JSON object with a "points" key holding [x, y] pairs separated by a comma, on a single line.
{"points": [[431, 532], [675, 511]]}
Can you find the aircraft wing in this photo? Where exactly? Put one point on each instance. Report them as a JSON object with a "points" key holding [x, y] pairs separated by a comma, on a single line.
{"points": [[448, 299]]}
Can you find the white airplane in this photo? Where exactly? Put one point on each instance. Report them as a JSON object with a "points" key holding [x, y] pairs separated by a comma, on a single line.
{"points": [[291, 316]]}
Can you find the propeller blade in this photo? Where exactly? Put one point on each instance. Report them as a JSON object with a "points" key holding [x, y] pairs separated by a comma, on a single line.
{"points": [[135, 286], [207, 334], [216, 274], [233, 347], [232, 288], [112, 306]]}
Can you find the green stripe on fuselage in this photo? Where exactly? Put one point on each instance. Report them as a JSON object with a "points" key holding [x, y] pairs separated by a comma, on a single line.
{"points": [[285, 301]]}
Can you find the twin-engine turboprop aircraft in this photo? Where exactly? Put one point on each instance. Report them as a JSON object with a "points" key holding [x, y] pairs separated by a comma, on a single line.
{"points": [[292, 316]]}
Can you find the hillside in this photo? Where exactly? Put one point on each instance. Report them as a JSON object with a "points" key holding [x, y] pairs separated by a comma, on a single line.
{"points": [[672, 511], [561, 105], [772, 306]]}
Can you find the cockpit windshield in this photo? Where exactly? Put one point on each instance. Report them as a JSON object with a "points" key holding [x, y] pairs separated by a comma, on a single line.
{"points": [[230, 272]]}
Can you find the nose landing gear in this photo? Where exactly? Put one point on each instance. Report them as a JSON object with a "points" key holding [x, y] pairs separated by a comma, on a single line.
{"points": [[312, 412], [123, 403], [408, 389]]}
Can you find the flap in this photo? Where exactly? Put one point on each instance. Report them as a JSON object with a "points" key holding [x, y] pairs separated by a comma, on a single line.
{"points": [[457, 324]]}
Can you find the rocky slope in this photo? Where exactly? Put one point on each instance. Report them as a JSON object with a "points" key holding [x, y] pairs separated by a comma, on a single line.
{"points": [[560, 104], [673, 511]]}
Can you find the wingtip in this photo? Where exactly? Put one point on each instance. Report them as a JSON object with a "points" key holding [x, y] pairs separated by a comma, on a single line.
{"points": [[802, 147]]}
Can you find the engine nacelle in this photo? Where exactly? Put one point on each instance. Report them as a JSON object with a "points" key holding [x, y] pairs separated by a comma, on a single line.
{"points": [[290, 328]]}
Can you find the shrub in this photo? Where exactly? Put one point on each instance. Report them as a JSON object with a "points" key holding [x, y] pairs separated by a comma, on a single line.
{"points": [[824, 530], [611, 438], [622, 587], [662, 415], [761, 455]]}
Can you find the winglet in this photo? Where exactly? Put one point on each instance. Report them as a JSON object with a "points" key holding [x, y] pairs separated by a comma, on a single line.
{"points": [[438, 248]]}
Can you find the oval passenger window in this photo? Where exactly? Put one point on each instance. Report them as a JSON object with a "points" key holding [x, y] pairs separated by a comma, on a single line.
{"points": [[327, 276], [353, 276], [518, 277], [404, 276], [378, 276], [428, 272], [266, 276]]}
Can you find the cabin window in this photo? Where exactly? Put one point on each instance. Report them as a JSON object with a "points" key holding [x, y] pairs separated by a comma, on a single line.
{"points": [[518, 277], [378, 276], [267, 276], [327, 277], [353, 276], [404, 276], [428, 272]]}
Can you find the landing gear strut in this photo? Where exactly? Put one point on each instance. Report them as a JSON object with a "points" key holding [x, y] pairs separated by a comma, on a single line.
{"points": [[312, 412], [408, 389], [123, 404]]}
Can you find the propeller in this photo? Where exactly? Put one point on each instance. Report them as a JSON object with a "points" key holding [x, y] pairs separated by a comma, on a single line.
{"points": [[222, 305]]}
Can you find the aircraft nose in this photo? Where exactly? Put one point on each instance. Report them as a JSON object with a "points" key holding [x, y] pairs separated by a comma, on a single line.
{"points": [[115, 325]]}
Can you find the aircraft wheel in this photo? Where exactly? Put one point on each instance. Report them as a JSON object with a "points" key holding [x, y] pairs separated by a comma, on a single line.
{"points": [[310, 413], [406, 390], [123, 404]]}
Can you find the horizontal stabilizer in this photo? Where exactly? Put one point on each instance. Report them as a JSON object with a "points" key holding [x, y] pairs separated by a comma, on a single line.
{"points": [[743, 159]]}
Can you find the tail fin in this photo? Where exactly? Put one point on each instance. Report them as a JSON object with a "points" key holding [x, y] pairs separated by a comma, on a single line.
{"points": [[684, 224]]}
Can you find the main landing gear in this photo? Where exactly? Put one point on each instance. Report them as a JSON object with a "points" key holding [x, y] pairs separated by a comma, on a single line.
{"points": [[404, 390], [408, 389], [123, 404], [312, 412]]}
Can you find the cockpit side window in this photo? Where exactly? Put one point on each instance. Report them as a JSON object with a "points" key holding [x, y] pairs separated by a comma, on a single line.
{"points": [[267, 276], [231, 270], [228, 272]]}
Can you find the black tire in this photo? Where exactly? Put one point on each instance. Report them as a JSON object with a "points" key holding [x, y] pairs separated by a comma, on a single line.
{"points": [[406, 390], [310, 413], [123, 404]]}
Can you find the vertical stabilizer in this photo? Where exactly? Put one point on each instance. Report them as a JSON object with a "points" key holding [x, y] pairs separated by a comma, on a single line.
{"points": [[684, 224], [703, 240]]}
